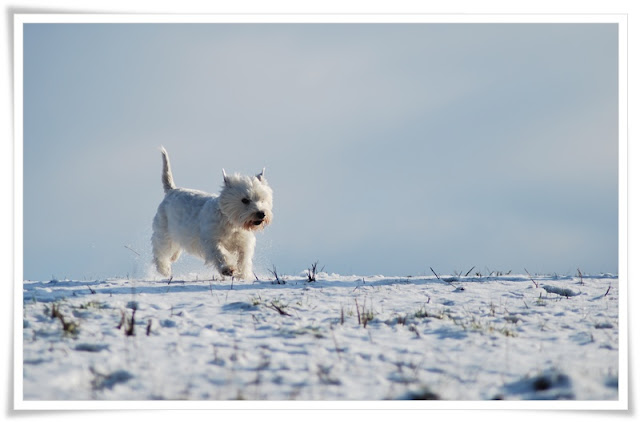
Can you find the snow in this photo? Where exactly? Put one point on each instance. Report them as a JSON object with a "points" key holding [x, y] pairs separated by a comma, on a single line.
{"points": [[506, 337]]}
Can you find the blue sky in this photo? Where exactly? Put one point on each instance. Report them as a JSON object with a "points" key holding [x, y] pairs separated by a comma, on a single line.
{"points": [[391, 148]]}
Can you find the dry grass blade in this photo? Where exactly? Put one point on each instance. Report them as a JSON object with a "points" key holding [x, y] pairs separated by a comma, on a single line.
{"points": [[313, 272], [534, 282], [69, 327], [132, 250], [277, 280], [130, 331], [279, 309], [580, 274]]}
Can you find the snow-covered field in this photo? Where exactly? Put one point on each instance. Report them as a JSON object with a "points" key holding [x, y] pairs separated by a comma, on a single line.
{"points": [[508, 337]]}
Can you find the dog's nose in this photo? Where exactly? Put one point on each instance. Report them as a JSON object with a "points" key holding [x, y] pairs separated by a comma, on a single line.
{"points": [[260, 214]]}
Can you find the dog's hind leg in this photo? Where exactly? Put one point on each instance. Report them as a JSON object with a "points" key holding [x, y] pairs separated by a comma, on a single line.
{"points": [[164, 250], [176, 255], [163, 255]]}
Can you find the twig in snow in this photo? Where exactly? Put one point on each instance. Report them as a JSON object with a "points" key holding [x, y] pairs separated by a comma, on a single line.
{"points": [[469, 271], [277, 280], [132, 250], [279, 309], [130, 330], [122, 319], [534, 282], [580, 274], [449, 282]]}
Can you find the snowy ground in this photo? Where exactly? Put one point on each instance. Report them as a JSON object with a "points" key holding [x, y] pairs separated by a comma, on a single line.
{"points": [[506, 337]]}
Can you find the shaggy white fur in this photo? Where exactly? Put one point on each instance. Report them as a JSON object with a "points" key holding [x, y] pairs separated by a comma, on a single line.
{"points": [[218, 229]]}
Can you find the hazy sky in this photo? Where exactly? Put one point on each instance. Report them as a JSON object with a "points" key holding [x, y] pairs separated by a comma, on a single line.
{"points": [[391, 148]]}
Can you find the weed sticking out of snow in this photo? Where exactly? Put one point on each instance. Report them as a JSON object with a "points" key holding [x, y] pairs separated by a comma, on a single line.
{"points": [[319, 336]]}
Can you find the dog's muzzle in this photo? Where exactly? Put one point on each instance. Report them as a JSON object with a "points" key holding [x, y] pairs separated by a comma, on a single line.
{"points": [[259, 218]]}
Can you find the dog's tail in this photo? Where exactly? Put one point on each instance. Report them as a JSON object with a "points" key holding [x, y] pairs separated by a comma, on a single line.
{"points": [[167, 177]]}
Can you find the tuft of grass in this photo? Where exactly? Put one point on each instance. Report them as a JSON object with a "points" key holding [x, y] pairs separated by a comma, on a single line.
{"points": [[312, 272], [365, 316], [414, 330], [94, 304], [129, 323], [421, 313], [277, 277], [313, 331], [402, 319], [540, 301], [507, 332], [279, 307], [69, 327]]}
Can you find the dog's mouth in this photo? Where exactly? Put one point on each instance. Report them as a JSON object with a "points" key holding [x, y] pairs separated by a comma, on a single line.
{"points": [[255, 224], [257, 221]]}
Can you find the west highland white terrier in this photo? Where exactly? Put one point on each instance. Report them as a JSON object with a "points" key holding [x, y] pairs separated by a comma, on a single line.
{"points": [[218, 229]]}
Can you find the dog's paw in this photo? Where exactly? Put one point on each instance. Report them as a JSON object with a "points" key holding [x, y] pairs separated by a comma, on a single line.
{"points": [[228, 271]]}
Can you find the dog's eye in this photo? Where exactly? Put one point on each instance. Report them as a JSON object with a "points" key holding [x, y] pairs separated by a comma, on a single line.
{"points": [[245, 201]]}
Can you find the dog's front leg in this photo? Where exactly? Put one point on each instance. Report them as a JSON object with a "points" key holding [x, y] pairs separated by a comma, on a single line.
{"points": [[245, 257], [223, 260]]}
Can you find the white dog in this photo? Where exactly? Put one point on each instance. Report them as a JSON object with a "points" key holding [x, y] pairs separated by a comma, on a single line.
{"points": [[218, 229]]}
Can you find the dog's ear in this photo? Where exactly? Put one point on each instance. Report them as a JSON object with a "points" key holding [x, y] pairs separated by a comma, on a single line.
{"points": [[260, 176], [225, 178]]}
